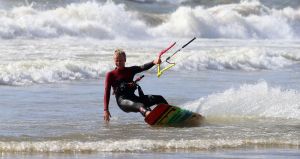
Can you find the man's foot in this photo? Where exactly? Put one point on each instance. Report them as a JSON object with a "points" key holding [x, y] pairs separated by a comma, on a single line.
{"points": [[145, 112]]}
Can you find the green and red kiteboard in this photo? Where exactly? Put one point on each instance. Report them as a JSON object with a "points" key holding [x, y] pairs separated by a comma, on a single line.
{"points": [[167, 115]]}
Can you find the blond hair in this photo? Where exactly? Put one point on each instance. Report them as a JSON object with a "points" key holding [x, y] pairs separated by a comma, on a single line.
{"points": [[120, 52]]}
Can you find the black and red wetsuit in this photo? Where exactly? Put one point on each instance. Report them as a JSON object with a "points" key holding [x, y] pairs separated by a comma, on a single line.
{"points": [[126, 99]]}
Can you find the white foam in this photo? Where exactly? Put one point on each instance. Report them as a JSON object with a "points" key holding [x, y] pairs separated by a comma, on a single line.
{"points": [[89, 19], [61, 60], [248, 59], [49, 71], [136, 145], [244, 20], [65, 61], [250, 100]]}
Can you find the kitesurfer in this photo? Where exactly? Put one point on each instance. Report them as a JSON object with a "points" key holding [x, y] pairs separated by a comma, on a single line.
{"points": [[121, 80]]}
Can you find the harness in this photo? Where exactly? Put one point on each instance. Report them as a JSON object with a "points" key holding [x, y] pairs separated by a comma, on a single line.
{"points": [[129, 87]]}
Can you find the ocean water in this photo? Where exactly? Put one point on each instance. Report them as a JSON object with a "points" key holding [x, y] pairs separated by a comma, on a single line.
{"points": [[242, 73]]}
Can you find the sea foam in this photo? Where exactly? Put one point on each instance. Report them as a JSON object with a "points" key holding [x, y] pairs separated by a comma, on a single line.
{"points": [[55, 64], [244, 20], [237, 58], [250, 101], [136, 145]]}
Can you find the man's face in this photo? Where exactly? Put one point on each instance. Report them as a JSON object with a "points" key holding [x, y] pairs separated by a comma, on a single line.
{"points": [[119, 60]]}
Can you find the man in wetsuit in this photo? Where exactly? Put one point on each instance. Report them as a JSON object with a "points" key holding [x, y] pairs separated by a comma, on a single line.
{"points": [[121, 79]]}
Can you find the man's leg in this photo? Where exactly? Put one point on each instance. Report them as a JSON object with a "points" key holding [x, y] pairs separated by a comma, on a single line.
{"points": [[132, 105], [150, 100]]}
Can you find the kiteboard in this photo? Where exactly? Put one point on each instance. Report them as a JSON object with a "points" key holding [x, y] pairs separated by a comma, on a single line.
{"points": [[167, 115]]}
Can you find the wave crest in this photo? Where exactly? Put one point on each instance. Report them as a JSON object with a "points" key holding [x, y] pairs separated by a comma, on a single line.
{"points": [[248, 59], [90, 19], [244, 20], [250, 100], [45, 71]]}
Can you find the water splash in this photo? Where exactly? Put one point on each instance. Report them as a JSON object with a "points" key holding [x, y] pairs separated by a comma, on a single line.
{"points": [[250, 101]]}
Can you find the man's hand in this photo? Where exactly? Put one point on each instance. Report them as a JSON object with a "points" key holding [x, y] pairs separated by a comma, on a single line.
{"points": [[157, 61], [106, 115]]}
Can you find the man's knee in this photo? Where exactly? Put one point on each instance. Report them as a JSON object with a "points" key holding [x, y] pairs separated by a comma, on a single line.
{"points": [[160, 99]]}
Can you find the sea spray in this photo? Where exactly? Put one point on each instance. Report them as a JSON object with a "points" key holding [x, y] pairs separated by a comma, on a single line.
{"points": [[250, 101]]}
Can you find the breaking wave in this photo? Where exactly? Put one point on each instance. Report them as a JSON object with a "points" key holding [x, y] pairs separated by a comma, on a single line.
{"points": [[107, 20], [38, 69], [250, 101]]}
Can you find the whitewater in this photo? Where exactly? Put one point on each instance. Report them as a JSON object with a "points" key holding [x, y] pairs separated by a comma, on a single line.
{"points": [[241, 73]]}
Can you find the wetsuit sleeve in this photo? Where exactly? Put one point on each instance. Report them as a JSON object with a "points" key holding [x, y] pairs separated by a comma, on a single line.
{"points": [[146, 66], [107, 88]]}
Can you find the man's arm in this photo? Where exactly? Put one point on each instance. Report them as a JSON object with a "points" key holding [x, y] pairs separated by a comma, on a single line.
{"points": [[107, 88], [146, 66]]}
